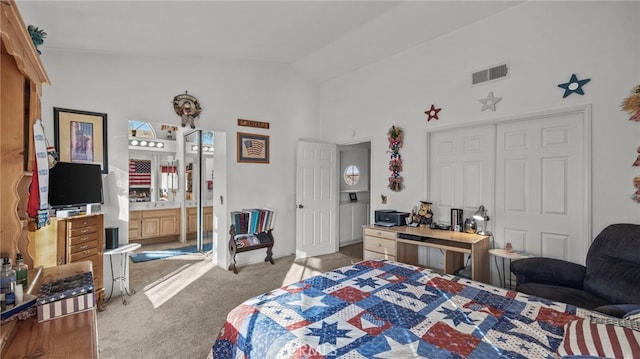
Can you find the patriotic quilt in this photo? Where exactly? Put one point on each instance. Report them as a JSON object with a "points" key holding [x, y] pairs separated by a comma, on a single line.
{"points": [[386, 309]]}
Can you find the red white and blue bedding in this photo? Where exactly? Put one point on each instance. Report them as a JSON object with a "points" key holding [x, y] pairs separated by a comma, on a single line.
{"points": [[385, 309]]}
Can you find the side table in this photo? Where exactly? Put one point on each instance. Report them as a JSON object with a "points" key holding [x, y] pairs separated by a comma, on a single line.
{"points": [[510, 255], [124, 260]]}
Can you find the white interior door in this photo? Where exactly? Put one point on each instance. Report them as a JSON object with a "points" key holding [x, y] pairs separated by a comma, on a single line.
{"points": [[316, 199], [542, 183]]}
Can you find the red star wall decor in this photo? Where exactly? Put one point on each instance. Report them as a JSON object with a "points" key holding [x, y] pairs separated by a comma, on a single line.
{"points": [[432, 113]]}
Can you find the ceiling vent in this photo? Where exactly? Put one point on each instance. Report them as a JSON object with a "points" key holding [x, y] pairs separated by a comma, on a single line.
{"points": [[494, 73]]}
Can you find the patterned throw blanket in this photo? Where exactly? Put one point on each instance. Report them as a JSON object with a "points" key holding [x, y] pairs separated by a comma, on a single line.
{"points": [[385, 309]]}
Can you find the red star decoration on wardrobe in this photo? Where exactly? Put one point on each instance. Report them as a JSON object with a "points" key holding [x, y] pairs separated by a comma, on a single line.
{"points": [[432, 113]]}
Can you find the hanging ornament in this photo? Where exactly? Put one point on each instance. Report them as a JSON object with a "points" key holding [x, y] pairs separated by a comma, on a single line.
{"points": [[574, 85], [395, 163], [489, 102], [188, 108], [432, 113]]}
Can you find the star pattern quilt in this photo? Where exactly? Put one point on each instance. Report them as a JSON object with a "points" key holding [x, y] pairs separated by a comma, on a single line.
{"points": [[386, 309]]}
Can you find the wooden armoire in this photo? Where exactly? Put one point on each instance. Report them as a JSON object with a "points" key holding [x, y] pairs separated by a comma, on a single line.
{"points": [[21, 77]]}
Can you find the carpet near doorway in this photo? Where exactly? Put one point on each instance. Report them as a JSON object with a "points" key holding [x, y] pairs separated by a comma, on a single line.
{"points": [[186, 324], [144, 256]]}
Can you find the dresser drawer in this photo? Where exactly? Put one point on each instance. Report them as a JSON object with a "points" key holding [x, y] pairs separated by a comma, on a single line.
{"points": [[82, 222], [83, 254], [366, 255], [82, 231], [380, 245], [379, 233], [160, 213], [83, 246], [83, 239]]}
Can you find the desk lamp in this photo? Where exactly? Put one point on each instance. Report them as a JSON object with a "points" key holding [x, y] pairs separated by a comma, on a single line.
{"points": [[481, 215]]}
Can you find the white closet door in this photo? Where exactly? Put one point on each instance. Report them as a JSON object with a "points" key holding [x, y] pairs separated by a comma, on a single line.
{"points": [[461, 170], [542, 182], [462, 167]]}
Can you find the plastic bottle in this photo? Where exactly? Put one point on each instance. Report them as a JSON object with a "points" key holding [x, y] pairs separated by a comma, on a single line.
{"points": [[22, 271], [8, 283]]}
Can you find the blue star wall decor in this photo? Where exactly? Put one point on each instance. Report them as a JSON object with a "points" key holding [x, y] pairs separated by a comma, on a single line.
{"points": [[574, 85], [490, 102], [432, 113]]}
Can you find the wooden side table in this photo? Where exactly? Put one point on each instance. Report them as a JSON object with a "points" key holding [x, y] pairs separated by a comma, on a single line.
{"points": [[511, 256]]}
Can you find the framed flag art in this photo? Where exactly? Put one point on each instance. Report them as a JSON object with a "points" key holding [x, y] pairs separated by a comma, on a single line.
{"points": [[252, 148]]}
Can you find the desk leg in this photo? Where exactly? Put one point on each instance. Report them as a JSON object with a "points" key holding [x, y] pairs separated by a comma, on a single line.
{"points": [[407, 253], [504, 276], [453, 261]]}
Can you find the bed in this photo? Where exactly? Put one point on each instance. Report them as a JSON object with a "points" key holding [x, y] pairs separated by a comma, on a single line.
{"points": [[386, 309]]}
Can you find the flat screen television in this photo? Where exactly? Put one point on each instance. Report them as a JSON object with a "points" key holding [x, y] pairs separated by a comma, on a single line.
{"points": [[75, 184]]}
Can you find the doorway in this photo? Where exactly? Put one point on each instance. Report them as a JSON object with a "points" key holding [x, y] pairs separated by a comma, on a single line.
{"points": [[319, 196], [354, 187], [183, 184]]}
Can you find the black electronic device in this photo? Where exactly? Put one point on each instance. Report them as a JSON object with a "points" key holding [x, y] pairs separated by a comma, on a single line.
{"points": [[390, 218], [111, 237], [74, 184]]}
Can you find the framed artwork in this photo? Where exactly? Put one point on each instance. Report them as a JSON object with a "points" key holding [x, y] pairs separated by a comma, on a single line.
{"points": [[252, 148], [353, 197], [81, 136]]}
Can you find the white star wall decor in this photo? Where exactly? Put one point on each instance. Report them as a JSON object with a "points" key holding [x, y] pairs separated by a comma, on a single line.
{"points": [[490, 102]]}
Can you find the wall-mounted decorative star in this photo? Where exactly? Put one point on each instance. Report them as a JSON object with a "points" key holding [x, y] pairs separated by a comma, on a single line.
{"points": [[490, 102], [432, 113], [574, 85]]}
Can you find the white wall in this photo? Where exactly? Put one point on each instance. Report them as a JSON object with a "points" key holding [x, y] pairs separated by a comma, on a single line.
{"points": [[545, 42], [143, 88]]}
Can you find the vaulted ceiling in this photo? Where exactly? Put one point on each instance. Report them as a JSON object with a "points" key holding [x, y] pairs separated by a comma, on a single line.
{"points": [[321, 39]]}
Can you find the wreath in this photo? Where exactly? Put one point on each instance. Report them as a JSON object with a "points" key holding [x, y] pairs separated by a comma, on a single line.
{"points": [[631, 104], [395, 163]]}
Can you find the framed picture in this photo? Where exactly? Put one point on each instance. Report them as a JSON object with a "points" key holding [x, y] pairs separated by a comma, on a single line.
{"points": [[353, 197], [253, 148], [81, 136]]}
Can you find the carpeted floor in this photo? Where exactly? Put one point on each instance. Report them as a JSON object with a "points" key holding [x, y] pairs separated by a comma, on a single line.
{"points": [[182, 302]]}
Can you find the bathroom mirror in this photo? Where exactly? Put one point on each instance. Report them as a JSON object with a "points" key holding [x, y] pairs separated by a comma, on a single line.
{"points": [[198, 187]]}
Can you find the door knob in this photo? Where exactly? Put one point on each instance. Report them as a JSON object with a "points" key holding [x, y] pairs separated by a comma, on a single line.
{"points": [[300, 206]]}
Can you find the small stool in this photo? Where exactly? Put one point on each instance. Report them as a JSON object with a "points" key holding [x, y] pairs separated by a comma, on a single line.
{"points": [[124, 260]]}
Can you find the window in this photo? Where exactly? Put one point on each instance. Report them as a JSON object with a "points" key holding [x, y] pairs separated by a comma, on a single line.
{"points": [[141, 129], [351, 175]]}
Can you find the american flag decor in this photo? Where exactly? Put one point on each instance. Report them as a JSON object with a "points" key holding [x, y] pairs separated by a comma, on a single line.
{"points": [[139, 172], [254, 147]]}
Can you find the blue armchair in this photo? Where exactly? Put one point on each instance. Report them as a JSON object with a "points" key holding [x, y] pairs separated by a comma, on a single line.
{"points": [[608, 283]]}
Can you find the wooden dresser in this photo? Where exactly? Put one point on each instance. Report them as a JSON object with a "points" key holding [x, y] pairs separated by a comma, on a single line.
{"points": [[71, 240], [81, 238], [379, 244]]}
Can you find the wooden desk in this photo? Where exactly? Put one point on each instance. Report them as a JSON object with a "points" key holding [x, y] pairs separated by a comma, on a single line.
{"points": [[73, 336], [401, 244]]}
